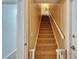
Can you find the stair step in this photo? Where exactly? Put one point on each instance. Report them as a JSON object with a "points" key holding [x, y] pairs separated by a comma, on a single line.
{"points": [[51, 44], [45, 23], [46, 48], [45, 20], [45, 32], [46, 38], [45, 52], [45, 35], [45, 28], [45, 56], [46, 41]]}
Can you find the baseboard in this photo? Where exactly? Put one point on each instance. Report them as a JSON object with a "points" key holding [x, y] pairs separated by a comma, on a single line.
{"points": [[11, 55]]}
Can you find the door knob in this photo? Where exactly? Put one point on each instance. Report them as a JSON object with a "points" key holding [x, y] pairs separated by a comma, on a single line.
{"points": [[73, 36], [72, 47], [25, 44]]}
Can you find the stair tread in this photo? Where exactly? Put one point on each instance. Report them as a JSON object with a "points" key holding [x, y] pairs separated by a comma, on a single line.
{"points": [[46, 35], [45, 57], [45, 44], [45, 32], [47, 29], [46, 38], [47, 48], [45, 52], [46, 41]]}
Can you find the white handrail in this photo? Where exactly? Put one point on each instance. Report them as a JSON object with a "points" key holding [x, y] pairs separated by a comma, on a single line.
{"points": [[59, 30], [60, 53]]}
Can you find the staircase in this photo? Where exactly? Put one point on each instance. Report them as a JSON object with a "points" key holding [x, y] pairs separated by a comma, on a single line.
{"points": [[46, 44]]}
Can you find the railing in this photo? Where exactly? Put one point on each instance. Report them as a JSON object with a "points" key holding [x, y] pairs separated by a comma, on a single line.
{"points": [[59, 36], [60, 53], [32, 54], [59, 30]]}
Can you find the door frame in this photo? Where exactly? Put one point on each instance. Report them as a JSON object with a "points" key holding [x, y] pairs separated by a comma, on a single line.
{"points": [[72, 32], [68, 15], [22, 29], [68, 27]]}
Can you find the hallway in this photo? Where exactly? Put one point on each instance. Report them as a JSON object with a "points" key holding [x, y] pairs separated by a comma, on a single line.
{"points": [[46, 43], [39, 29], [47, 26]]}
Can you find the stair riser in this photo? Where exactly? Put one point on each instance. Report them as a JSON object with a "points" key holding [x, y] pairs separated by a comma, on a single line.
{"points": [[46, 57], [45, 53], [43, 26], [46, 48], [45, 32], [45, 29], [46, 41], [45, 36]]}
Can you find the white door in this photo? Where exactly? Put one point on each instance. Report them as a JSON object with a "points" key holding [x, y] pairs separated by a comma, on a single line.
{"points": [[73, 29], [22, 35]]}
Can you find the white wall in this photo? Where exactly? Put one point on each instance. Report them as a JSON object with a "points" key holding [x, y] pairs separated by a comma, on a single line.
{"points": [[44, 12], [9, 29]]}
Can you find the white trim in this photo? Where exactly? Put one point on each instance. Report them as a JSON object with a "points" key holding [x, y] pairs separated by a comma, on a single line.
{"points": [[33, 53], [59, 30], [68, 24], [10, 54], [26, 27], [20, 30], [31, 50], [60, 54]]}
